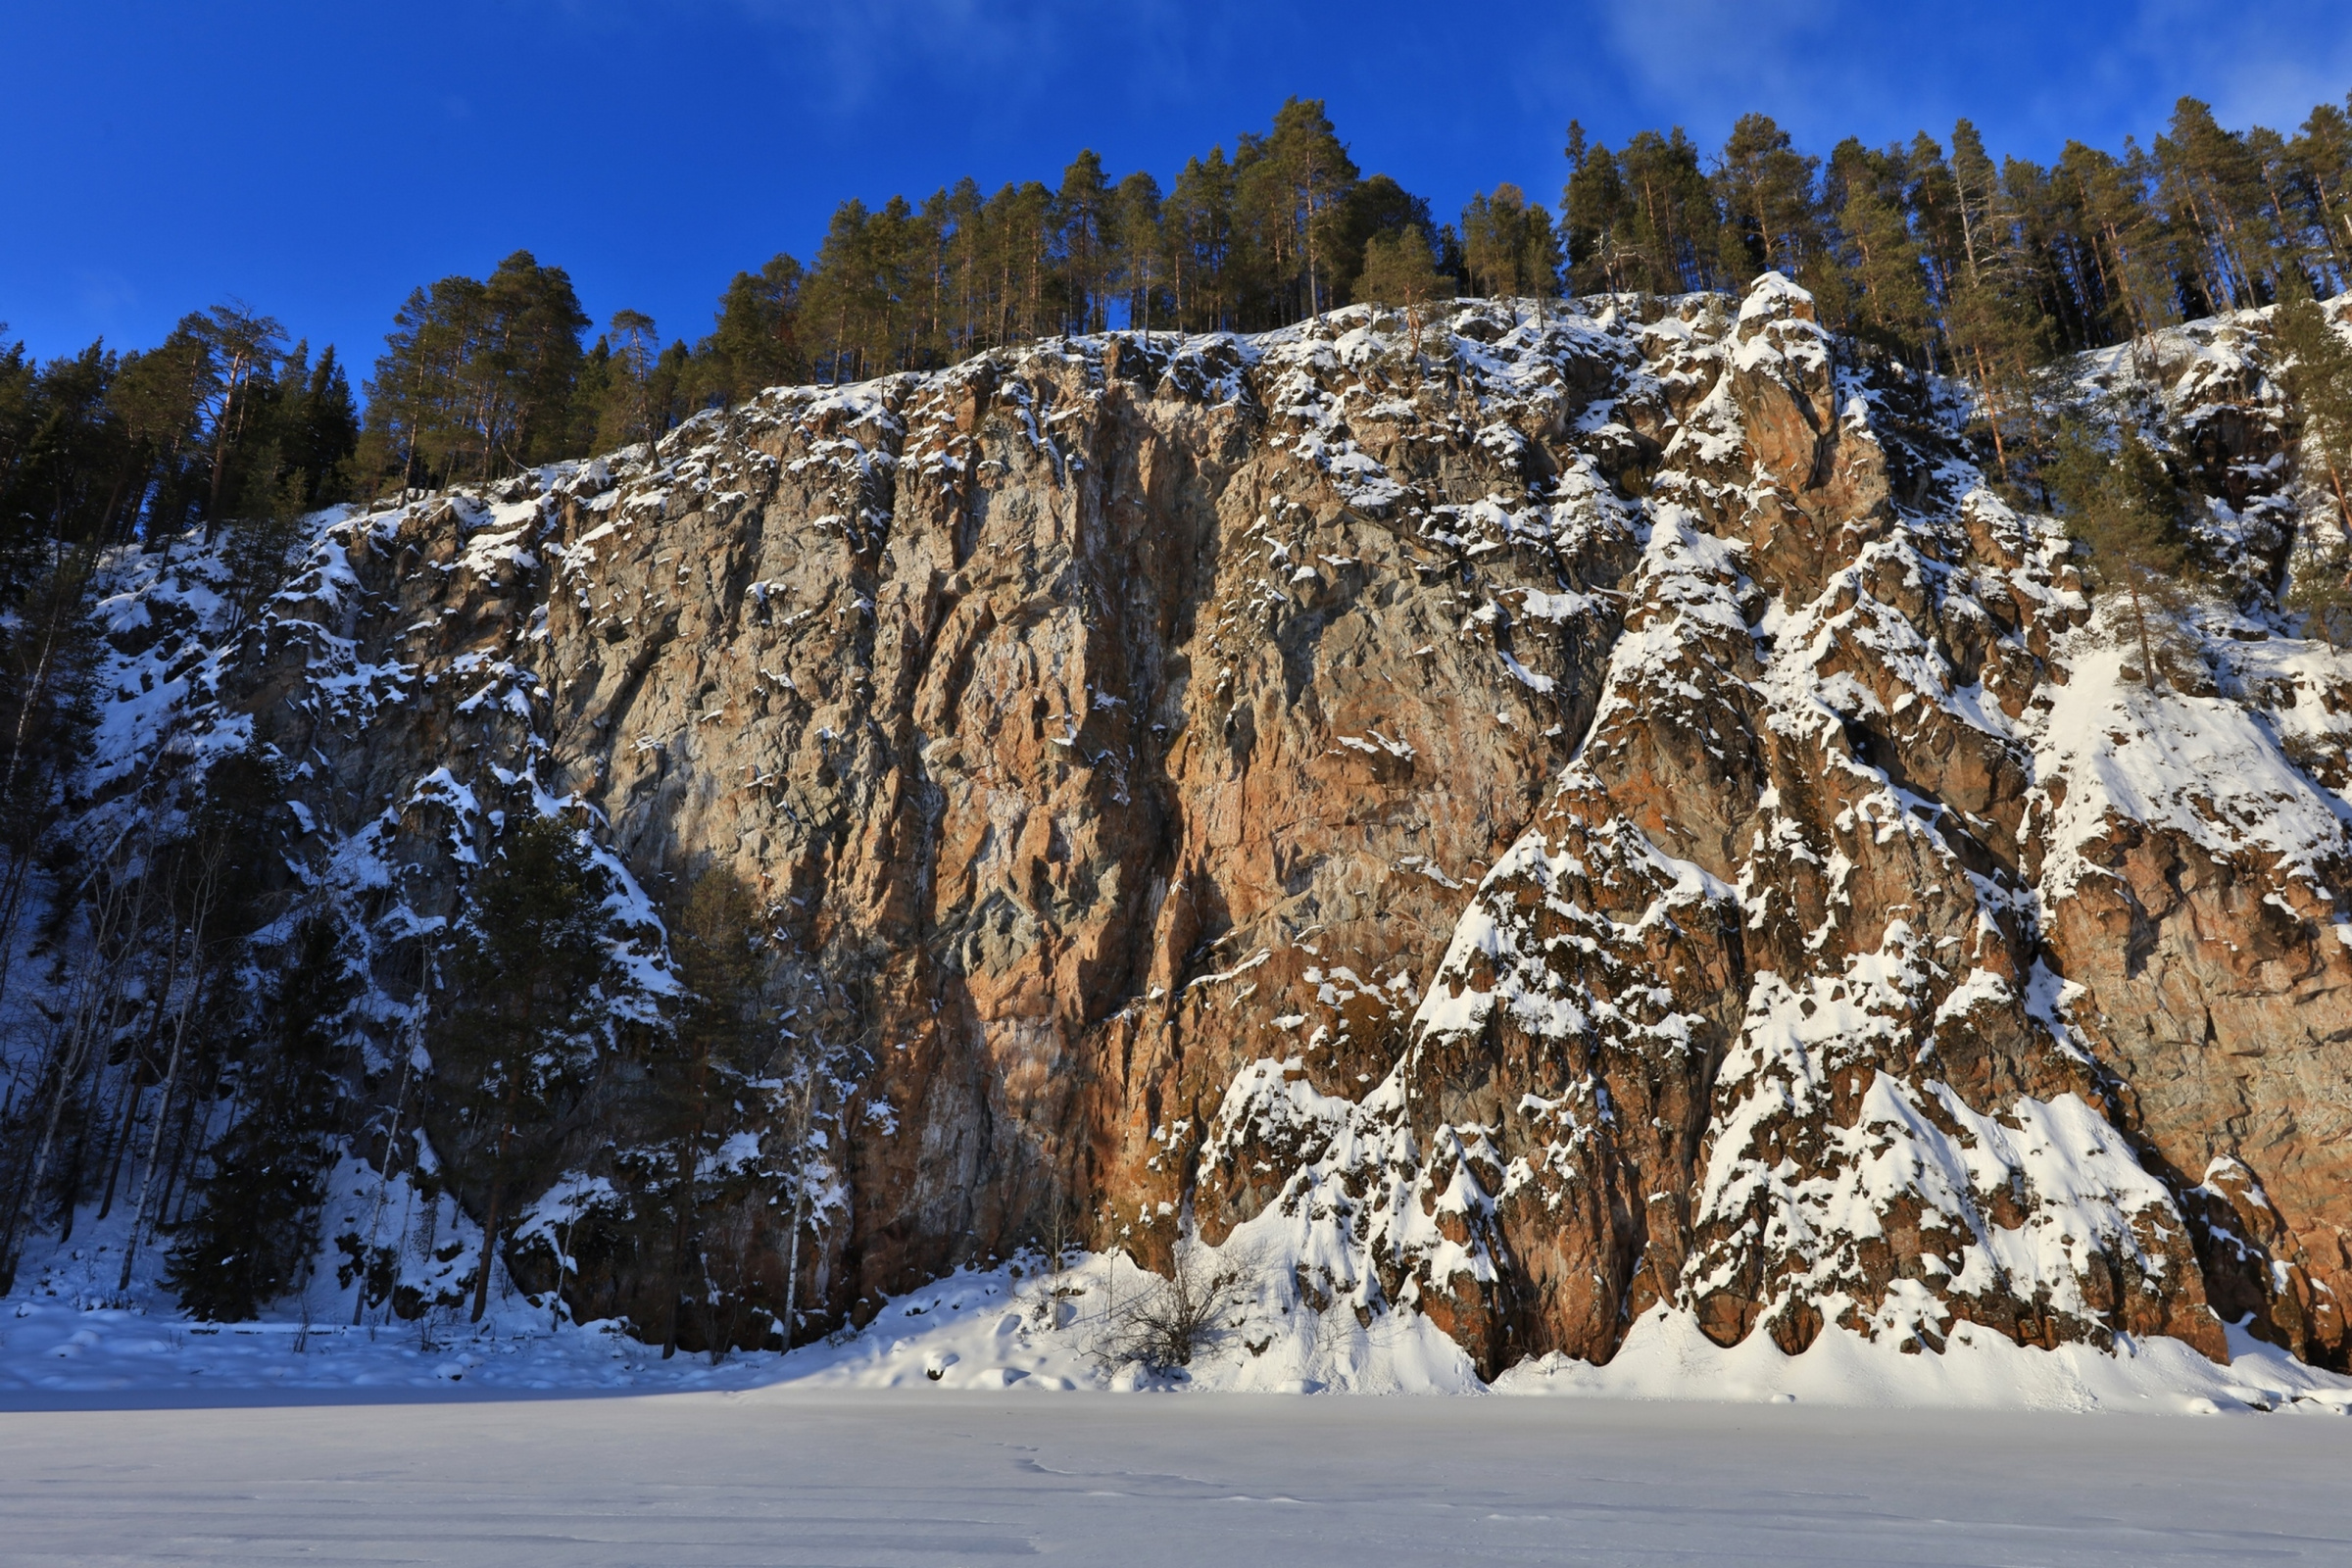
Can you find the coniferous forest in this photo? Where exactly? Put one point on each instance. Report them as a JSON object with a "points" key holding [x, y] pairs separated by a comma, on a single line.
{"points": [[1973, 264], [1938, 252], [1978, 267]]}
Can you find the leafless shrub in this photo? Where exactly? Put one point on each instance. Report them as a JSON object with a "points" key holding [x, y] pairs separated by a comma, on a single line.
{"points": [[1174, 1318]]}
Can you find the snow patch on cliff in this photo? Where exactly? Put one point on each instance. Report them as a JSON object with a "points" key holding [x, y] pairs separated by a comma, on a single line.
{"points": [[2112, 753]]}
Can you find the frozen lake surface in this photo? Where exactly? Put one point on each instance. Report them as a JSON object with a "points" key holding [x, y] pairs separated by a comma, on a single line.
{"points": [[931, 1476]]}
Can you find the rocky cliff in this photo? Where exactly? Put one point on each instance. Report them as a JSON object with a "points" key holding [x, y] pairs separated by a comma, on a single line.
{"points": [[1609, 811]]}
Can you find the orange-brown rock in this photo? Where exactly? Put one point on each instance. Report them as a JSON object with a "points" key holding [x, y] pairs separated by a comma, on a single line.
{"points": [[1609, 813]]}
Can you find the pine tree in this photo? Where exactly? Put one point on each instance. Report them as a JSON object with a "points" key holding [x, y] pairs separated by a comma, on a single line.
{"points": [[2320, 161], [1991, 321], [2132, 297], [842, 296], [255, 1229], [241, 354], [966, 261], [58, 490], [1674, 219], [1137, 243], [716, 938], [1376, 206], [1511, 246], [1400, 271], [526, 963], [529, 357], [1593, 212], [2314, 367], [1771, 221], [1318, 177], [1202, 239], [16, 374], [2062, 257], [476, 377], [322, 432], [2316, 371], [1629, 220], [628, 412], [2125, 511], [1889, 275], [2211, 185], [47, 654], [1084, 225]]}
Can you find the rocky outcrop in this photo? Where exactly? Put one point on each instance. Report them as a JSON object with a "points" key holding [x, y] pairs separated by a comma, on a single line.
{"points": [[1608, 811]]}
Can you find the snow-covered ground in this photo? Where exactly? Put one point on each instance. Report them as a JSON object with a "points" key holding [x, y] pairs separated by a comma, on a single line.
{"points": [[926, 1476], [1033, 1331]]}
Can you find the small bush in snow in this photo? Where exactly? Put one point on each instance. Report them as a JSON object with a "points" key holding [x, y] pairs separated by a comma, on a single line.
{"points": [[1172, 1319]]}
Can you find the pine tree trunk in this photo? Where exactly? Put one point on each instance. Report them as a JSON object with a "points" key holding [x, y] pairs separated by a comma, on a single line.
{"points": [[383, 1180], [2343, 508], [92, 1017], [78, 1162], [1992, 416], [176, 1193], [680, 1208], [800, 1210], [2147, 655], [155, 1148], [490, 1222], [28, 1193], [498, 1197], [12, 905], [126, 1116]]}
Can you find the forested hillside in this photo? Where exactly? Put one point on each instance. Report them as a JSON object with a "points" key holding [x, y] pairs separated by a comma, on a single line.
{"points": [[1960, 262]]}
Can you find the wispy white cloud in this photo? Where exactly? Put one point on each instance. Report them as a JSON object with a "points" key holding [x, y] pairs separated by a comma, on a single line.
{"points": [[2026, 69], [1710, 60], [2031, 73], [2256, 64], [844, 56]]}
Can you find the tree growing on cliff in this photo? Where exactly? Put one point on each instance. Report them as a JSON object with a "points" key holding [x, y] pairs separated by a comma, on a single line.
{"points": [[1303, 180], [254, 1230], [476, 377], [2317, 375], [140, 1007], [635, 346], [47, 654], [716, 938], [1399, 270], [1771, 220], [1511, 246], [2123, 510], [1642, 219], [1889, 286], [528, 964], [1136, 226], [756, 341], [2315, 369]]}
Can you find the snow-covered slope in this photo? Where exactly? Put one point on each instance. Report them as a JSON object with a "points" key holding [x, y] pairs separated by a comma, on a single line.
{"points": [[1022, 1326]]}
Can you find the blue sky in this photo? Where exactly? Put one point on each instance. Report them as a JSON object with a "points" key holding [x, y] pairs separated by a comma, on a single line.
{"points": [[319, 158]]}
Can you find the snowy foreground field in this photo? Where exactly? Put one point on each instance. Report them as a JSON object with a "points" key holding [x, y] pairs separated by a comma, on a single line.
{"points": [[975, 1420], [935, 1476]]}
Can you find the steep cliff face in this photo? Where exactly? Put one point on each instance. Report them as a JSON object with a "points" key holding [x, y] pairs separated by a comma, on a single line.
{"points": [[1609, 813]]}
